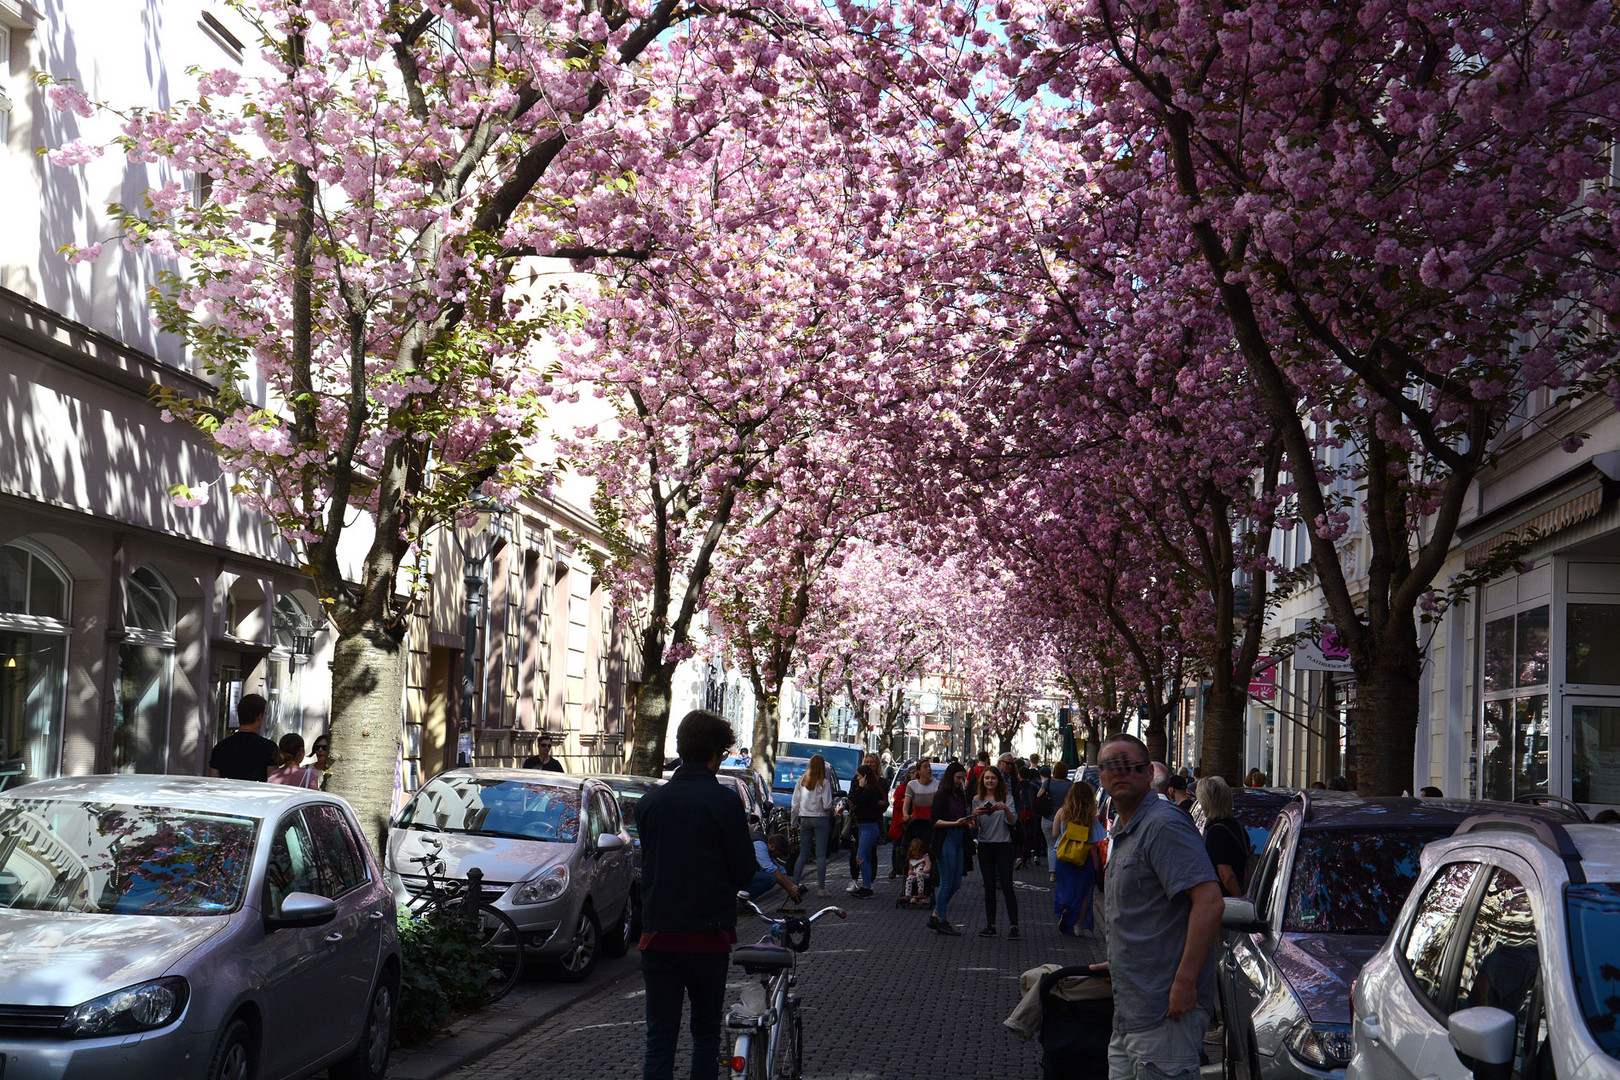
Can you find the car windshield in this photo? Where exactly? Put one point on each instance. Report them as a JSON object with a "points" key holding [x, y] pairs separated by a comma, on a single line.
{"points": [[1351, 881], [1594, 927], [788, 773], [516, 809], [111, 859]]}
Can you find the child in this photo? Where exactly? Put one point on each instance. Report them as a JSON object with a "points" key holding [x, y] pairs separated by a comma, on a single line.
{"points": [[918, 865]]}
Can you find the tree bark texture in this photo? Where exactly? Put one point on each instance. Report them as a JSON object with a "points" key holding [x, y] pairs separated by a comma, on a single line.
{"points": [[1224, 709], [652, 720], [368, 694], [1387, 678]]}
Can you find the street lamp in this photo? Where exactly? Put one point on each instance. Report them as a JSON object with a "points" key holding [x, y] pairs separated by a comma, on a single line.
{"points": [[488, 516]]}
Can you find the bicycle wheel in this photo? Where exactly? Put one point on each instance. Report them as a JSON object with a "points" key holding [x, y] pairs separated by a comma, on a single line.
{"points": [[498, 940], [789, 1045]]}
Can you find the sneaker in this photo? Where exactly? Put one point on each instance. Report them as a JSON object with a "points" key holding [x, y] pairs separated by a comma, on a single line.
{"points": [[853, 887], [948, 930], [933, 922], [1012, 932], [988, 931], [863, 892]]}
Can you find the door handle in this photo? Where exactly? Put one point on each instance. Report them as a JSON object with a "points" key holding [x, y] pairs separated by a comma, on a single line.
{"points": [[376, 918], [1370, 1028], [334, 938]]}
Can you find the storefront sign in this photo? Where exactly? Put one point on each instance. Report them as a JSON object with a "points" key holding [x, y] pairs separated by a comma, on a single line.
{"points": [[1317, 647], [1263, 680]]}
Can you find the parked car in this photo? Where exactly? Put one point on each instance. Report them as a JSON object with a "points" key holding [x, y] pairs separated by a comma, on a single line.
{"points": [[629, 789], [770, 819], [174, 926], [1334, 873], [785, 776], [759, 813], [1256, 810], [1511, 935], [553, 849]]}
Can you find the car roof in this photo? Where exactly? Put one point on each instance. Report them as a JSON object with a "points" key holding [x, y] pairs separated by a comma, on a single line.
{"points": [[521, 776], [622, 780], [203, 794], [1597, 847], [1343, 809]]}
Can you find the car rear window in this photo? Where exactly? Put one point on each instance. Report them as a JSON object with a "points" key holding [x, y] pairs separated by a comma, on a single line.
{"points": [[109, 859], [515, 809], [788, 773], [1352, 881], [1594, 927]]}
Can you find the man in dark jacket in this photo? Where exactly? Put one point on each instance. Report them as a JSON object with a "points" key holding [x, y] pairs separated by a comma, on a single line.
{"points": [[695, 856]]}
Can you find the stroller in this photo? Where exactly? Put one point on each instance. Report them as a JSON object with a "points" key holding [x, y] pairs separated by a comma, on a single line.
{"points": [[1076, 1023]]}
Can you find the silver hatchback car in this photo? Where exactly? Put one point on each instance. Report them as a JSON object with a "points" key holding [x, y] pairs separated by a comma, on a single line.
{"points": [[172, 926], [552, 848]]}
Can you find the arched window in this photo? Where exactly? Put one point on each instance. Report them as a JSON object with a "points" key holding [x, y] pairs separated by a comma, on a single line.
{"points": [[145, 675], [35, 600]]}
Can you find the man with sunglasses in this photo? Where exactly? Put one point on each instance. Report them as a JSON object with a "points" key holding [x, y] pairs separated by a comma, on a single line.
{"points": [[1164, 913]]}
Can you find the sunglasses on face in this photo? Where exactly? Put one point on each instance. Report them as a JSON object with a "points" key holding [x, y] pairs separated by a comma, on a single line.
{"points": [[1121, 765], [320, 748]]}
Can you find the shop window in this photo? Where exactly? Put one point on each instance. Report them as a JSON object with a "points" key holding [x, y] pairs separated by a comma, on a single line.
{"points": [[1514, 739], [145, 675], [35, 598], [1592, 644]]}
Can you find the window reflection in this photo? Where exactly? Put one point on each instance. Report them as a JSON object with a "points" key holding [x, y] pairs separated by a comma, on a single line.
{"points": [[1594, 927], [1432, 927], [1592, 652], [1348, 881], [1502, 960], [1596, 776]]}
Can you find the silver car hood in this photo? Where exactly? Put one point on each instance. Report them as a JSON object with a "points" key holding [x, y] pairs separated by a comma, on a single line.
{"points": [[58, 958], [500, 859]]}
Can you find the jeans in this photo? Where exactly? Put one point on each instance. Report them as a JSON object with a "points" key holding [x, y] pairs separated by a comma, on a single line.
{"points": [[867, 852], [761, 884], [950, 871], [1169, 1050], [669, 976], [996, 864], [814, 830], [1051, 844]]}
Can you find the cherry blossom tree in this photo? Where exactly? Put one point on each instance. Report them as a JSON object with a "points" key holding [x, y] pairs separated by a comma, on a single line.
{"points": [[1403, 213]]}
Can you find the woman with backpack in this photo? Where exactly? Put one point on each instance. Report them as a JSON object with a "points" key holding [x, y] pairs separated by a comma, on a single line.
{"points": [[1224, 838], [1076, 832]]}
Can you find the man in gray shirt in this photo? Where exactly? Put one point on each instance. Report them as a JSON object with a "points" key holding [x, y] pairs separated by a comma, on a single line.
{"points": [[1164, 912]]}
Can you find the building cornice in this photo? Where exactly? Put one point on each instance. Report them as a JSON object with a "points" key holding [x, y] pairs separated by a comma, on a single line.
{"points": [[53, 336]]}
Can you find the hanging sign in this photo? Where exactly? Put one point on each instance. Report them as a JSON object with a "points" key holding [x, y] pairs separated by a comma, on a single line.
{"points": [[1317, 647]]}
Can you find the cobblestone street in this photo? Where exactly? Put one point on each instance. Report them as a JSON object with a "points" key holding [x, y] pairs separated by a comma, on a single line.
{"points": [[884, 997]]}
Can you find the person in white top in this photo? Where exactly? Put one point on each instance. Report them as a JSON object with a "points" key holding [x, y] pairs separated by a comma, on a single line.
{"points": [[290, 769], [812, 808]]}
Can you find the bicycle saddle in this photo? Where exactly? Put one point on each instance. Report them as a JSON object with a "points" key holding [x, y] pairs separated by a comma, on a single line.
{"points": [[762, 957]]}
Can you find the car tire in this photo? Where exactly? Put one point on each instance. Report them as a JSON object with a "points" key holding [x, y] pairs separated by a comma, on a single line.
{"points": [[584, 949], [233, 1057], [618, 938], [369, 1061]]}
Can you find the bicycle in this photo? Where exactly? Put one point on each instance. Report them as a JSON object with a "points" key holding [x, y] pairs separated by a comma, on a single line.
{"points": [[766, 1025], [445, 900]]}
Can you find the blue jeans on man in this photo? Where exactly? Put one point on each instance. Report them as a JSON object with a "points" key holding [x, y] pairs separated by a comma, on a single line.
{"points": [[867, 851], [669, 976]]}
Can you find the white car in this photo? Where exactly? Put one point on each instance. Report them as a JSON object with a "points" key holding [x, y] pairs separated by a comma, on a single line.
{"points": [[1506, 954]]}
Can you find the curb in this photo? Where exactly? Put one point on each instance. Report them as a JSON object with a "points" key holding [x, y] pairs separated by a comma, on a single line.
{"points": [[475, 1036]]}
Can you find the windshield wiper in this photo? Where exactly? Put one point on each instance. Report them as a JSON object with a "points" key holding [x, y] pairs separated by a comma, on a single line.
{"points": [[511, 835], [422, 826]]}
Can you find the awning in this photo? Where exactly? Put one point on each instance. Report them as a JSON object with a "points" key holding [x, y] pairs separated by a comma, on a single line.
{"points": [[937, 727], [1544, 523]]}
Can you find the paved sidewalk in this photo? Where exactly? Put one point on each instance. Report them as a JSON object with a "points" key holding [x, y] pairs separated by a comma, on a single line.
{"points": [[532, 1001], [884, 997]]}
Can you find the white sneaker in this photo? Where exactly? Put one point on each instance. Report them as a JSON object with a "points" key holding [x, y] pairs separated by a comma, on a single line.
{"points": [[852, 886]]}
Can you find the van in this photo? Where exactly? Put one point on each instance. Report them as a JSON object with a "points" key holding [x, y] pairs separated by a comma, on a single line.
{"points": [[845, 757]]}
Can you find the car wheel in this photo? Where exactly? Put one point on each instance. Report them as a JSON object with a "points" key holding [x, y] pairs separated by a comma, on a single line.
{"points": [[370, 1059], [584, 950], [233, 1058], [616, 942]]}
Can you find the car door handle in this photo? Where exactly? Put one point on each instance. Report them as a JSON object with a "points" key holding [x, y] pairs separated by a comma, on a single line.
{"points": [[1370, 1028], [334, 938], [377, 917]]}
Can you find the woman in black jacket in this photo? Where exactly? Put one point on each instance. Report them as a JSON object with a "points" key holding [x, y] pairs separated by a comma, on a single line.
{"points": [[866, 799]]}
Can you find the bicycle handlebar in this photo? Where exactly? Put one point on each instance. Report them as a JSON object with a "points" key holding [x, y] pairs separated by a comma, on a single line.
{"points": [[838, 911]]}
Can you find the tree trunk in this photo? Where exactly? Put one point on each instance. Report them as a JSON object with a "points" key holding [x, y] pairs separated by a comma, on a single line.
{"points": [[1387, 677], [1224, 709], [652, 720], [368, 692], [1157, 739], [767, 723]]}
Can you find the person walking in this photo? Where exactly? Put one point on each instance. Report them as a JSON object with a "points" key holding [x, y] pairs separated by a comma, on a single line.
{"points": [[695, 856], [993, 811], [853, 825], [245, 754], [866, 803], [1224, 839], [1075, 881], [290, 769], [919, 812], [1054, 793], [952, 817], [812, 808], [1164, 913]]}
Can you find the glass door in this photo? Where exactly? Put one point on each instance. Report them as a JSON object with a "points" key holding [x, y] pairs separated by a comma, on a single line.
{"points": [[1593, 724]]}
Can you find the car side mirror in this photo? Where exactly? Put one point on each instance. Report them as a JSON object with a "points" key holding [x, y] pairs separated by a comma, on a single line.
{"points": [[302, 909], [1240, 915], [609, 842], [1483, 1038]]}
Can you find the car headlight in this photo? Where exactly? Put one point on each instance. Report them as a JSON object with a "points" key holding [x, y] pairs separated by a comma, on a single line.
{"points": [[134, 1008], [1327, 1046], [548, 886]]}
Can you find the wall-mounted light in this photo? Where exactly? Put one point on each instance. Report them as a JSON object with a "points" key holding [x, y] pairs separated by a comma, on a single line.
{"points": [[11, 661]]}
